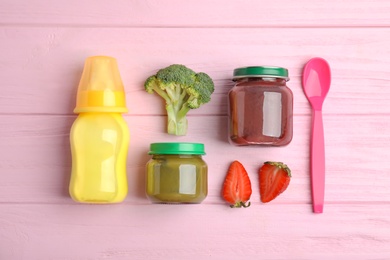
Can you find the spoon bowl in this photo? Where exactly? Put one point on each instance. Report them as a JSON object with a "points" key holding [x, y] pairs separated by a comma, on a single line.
{"points": [[316, 79]]}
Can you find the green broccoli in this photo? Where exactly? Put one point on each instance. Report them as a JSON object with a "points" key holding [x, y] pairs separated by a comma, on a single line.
{"points": [[183, 89]]}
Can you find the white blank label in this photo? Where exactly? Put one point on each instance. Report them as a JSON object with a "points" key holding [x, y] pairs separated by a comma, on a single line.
{"points": [[187, 179], [272, 114]]}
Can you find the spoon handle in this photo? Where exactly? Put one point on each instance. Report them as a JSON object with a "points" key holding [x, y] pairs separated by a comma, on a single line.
{"points": [[317, 167]]}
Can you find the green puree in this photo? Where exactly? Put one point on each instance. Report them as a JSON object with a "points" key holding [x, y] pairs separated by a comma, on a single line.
{"points": [[176, 179]]}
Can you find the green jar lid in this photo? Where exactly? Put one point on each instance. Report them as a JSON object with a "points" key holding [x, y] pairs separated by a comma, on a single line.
{"points": [[177, 148], [260, 72]]}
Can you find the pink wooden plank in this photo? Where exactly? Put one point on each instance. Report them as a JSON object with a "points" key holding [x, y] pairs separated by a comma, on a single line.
{"points": [[346, 231], [248, 13], [36, 159], [41, 67]]}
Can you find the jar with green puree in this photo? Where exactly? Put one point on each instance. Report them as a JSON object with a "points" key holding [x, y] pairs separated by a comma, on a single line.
{"points": [[176, 173]]}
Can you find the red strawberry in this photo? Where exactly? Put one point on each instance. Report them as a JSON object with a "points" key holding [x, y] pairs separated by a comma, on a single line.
{"points": [[274, 178], [237, 187]]}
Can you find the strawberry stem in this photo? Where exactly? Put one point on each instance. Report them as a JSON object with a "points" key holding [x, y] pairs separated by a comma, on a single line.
{"points": [[245, 206], [240, 204], [281, 166]]}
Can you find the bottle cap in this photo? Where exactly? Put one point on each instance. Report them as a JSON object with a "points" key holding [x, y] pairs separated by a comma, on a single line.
{"points": [[100, 88], [177, 148], [260, 72]]}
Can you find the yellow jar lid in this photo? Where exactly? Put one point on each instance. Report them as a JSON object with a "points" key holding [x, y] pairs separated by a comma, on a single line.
{"points": [[101, 88]]}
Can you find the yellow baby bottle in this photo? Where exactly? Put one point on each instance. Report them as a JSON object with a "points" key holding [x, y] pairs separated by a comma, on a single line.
{"points": [[99, 136]]}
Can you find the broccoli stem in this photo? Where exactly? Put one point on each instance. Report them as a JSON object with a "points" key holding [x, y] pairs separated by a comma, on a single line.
{"points": [[177, 123], [162, 93], [177, 110], [183, 112]]}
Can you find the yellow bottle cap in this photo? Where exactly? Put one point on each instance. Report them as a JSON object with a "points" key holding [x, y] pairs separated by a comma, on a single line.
{"points": [[101, 88]]}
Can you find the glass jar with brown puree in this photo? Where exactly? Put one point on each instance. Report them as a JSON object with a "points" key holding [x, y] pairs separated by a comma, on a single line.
{"points": [[260, 107]]}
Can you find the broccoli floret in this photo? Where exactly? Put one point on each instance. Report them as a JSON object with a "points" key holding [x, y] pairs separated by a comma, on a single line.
{"points": [[183, 89]]}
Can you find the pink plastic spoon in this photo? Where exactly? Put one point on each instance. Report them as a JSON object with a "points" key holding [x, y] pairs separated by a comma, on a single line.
{"points": [[316, 83]]}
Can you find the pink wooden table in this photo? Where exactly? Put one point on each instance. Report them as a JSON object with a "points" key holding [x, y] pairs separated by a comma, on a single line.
{"points": [[42, 50]]}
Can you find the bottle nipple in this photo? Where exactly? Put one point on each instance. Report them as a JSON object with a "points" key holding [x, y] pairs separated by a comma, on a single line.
{"points": [[100, 88]]}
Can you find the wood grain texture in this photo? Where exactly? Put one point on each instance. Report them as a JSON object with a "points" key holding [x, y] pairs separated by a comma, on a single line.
{"points": [[176, 13], [50, 62], [43, 46], [38, 160], [192, 232]]}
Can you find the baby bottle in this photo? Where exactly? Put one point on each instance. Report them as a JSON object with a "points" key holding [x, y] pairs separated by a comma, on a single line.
{"points": [[99, 136]]}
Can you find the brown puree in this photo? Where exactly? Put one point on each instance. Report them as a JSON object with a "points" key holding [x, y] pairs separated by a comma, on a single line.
{"points": [[260, 112]]}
